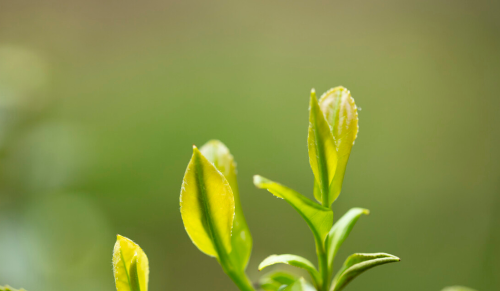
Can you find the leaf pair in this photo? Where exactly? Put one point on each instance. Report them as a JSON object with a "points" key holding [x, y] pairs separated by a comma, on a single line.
{"points": [[241, 239], [333, 128], [211, 210]]}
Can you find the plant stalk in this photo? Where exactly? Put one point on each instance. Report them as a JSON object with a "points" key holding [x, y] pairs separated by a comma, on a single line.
{"points": [[323, 266], [241, 280]]}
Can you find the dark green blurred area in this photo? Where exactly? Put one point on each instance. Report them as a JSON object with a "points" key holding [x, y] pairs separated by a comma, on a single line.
{"points": [[100, 102]]}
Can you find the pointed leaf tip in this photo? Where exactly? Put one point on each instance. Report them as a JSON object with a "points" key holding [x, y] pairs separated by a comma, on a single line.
{"points": [[258, 181]]}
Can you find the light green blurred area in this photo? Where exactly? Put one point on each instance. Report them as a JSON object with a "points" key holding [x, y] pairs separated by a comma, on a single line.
{"points": [[100, 102]]}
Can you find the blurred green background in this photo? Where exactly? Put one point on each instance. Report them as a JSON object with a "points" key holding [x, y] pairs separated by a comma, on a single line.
{"points": [[100, 102]]}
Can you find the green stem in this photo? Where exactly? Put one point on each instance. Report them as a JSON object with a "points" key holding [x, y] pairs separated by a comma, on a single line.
{"points": [[323, 266], [241, 280]]}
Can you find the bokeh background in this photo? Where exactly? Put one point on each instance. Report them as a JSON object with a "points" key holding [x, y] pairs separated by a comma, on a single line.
{"points": [[100, 102]]}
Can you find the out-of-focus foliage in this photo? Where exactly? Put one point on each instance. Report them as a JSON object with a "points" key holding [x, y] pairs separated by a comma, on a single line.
{"points": [[8, 288], [457, 288], [100, 103]]}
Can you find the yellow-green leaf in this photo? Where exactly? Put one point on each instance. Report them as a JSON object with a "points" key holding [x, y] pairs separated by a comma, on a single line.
{"points": [[295, 261], [207, 206], [322, 152], [357, 264], [8, 288], [241, 239], [340, 231], [319, 218], [341, 114], [130, 266]]}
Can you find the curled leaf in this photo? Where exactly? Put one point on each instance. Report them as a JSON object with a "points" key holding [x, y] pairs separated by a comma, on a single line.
{"points": [[322, 151], [207, 206], [357, 264], [299, 285], [295, 261], [273, 281], [340, 231], [241, 240], [341, 114], [130, 266], [319, 218]]}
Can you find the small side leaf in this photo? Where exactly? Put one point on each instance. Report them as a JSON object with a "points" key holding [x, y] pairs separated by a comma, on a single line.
{"points": [[130, 266], [457, 288], [322, 152], [319, 218], [273, 281], [357, 264], [341, 114], [299, 285], [8, 288], [340, 231], [207, 206], [295, 261], [241, 239]]}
